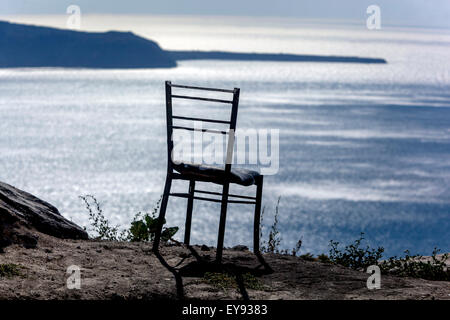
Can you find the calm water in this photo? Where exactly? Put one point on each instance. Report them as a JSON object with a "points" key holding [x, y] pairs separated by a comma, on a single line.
{"points": [[362, 147]]}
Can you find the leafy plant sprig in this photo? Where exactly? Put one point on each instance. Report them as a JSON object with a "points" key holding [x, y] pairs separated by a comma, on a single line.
{"points": [[143, 227]]}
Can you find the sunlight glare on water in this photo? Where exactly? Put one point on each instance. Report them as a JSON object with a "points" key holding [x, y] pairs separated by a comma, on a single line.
{"points": [[362, 147]]}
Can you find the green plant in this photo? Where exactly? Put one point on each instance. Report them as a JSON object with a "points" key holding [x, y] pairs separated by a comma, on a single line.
{"points": [[323, 258], [143, 227], [225, 280], [414, 266], [272, 245], [354, 256], [9, 270], [308, 257], [358, 258], [220, 280], [251, 282], [98, 221], [274, 235], [297, 247]]}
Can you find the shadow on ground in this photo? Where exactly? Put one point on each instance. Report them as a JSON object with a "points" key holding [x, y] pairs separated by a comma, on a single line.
{"points": [[202, 265]]}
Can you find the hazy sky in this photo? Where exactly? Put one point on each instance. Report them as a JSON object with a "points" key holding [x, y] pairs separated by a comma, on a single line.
{"points": [[399, 12]]}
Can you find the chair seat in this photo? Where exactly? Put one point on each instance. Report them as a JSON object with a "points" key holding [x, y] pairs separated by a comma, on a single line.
{"points": [[214, 174]]}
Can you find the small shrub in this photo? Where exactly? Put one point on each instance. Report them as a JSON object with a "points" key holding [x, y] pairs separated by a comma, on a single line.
{"points": [[323, 258], [274, 235], [412, 266], [354, 256], [358, 258], [308, 257], [272, 245], [143, 227], [9, 270], [297, 247], [98, 221]]}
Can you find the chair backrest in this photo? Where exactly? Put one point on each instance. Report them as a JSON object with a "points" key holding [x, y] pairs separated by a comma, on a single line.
{"points": [[234, 102]]}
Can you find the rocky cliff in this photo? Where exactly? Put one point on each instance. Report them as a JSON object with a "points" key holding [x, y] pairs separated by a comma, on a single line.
{"points": [[22, 215]]}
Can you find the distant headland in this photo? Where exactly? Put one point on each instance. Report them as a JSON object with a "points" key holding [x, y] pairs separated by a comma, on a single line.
{"points": [[35, 46], [222, 55]]}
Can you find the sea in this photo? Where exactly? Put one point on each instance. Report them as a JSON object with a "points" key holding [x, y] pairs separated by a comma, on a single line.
{"points": [[362, 147]]}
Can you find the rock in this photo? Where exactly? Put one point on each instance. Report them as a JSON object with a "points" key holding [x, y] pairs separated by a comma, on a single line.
{"points": [[29, 241], [204, 248], [240, 248], [22, 213]]}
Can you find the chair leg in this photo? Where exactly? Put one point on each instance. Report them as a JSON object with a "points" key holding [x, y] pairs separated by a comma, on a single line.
{"points": [[256, 224], [223, 217], [162, 213], [187, 229]]}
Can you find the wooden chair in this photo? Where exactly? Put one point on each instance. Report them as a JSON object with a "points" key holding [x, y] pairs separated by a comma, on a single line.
{"points": [[198, 172]]}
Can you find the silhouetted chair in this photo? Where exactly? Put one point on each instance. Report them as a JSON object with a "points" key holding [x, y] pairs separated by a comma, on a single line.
{"points": [[198, 172]]}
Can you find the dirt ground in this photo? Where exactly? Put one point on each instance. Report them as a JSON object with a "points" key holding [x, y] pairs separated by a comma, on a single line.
{"points": [[114, 270]]}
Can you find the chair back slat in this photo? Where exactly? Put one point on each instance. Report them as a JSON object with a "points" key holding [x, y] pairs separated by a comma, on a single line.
{"points": [[202, 130], [201, 99], [231, 122], [201, 88], [200, 119]]}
